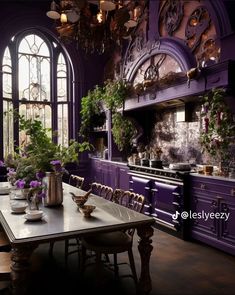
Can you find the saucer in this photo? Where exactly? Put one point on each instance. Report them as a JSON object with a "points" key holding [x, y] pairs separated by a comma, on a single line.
{"points": [[19, 197], [34, 215], [5, 190]]}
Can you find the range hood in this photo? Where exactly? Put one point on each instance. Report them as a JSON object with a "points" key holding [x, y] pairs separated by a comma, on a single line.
{"points": [[218, 75]]}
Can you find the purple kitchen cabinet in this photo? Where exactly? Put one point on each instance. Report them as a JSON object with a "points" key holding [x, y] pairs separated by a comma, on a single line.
{"points": [[167, 200], [96, 175], [213, 196], [142, 186], [110, 173], [227, 227], [123, 177]]}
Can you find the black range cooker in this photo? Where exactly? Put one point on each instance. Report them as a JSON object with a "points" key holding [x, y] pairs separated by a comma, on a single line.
{"points": [[167, 196]]}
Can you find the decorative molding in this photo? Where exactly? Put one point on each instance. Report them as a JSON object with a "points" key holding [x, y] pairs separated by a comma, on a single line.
{"points": [[169, 46], [171, 14], [198, 22]]}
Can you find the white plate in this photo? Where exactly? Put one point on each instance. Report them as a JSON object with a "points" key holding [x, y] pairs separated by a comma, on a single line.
{"points": [[19, 197], [34, 219], [4, 190], [34, 215]]}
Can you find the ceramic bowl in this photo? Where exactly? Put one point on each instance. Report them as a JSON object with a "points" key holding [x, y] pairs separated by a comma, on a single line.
{"points": [[34, 214], [18, 207], [86, 210]]}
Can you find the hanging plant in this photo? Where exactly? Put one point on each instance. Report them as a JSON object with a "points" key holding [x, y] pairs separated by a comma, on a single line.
{"points": [[92, 113], [114, 94], [218, 125], [123, 131]]}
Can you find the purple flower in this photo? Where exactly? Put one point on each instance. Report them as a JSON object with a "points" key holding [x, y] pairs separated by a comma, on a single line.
{"points": [[20, 183], [2, 164], [40, 175], [11, 172], [35, 183], [55, 162], [41, 195], [57, 165]]}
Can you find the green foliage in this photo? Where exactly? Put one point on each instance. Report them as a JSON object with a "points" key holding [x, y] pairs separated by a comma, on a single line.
{"points": [[114, 94], [41, 149], [123, 131], [219, 127], [91, 110]]}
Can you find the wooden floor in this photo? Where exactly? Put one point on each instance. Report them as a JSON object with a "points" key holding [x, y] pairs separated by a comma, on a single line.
{"points": [[177, 267]]}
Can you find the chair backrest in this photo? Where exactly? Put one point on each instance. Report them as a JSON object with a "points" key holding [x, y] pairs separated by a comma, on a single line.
{"points": [[137, 202], [96, 188], [106, 192], [76, 180], [122, 197]]}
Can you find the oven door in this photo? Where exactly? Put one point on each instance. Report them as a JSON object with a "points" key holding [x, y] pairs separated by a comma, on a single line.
{"points": [[167, 200]]}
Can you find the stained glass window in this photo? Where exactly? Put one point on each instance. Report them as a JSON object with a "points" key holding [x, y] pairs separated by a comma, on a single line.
{"points": [[8, 139], [62, 116], [41, 89]]}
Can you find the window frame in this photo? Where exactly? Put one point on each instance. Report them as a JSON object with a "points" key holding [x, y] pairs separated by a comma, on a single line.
{"points": [[54, 52]]}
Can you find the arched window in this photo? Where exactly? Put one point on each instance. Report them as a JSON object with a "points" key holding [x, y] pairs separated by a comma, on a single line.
{"points": [[36, 81]]}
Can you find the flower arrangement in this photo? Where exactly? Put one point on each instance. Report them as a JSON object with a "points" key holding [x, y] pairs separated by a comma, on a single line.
{"points": [[40, 154]]}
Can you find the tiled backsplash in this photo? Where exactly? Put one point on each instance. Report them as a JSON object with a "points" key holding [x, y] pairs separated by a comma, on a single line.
{"points": [[179, 141]]}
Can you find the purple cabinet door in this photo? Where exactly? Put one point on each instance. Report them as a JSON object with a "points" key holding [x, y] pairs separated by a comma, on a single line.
{"points": [[227, 227], [166, 200], [123, 179], [142, 186], [203, 228], [96, 175]]}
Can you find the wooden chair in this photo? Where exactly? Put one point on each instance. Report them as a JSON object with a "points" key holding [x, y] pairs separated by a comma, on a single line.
{"points": [[4, 242], [122, 197], [96, 188], [114, 242], [106, 192], [76, 180], [5, 269]]}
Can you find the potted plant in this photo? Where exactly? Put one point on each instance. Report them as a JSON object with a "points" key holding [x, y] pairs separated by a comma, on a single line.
{"points": [[39, 157]]}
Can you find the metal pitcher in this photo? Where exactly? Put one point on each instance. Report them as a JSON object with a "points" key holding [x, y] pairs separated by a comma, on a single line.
{"points": [[53, 189]]}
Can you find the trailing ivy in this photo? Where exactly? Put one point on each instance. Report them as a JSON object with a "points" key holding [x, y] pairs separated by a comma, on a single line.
{"points": [[218, 125], [123, 131]]}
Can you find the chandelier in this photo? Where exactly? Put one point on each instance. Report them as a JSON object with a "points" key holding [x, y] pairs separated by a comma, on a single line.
{"points": [[96, 25]]}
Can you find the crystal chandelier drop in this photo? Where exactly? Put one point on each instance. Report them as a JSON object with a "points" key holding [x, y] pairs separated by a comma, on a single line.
{"points": [[96, 25]]}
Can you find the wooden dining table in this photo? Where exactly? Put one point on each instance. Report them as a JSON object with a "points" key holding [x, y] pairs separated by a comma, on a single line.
{"points": [[66, 221]]}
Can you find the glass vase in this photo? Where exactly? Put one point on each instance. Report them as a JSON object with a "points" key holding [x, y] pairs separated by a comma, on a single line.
{"points": [[34, 203]]}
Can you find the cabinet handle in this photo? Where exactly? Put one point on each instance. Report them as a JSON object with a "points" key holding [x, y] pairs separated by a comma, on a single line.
{"points": [[202, 186], [233, 191], [154, 190]]}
